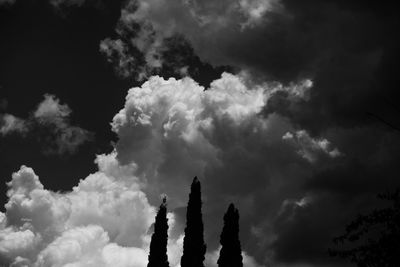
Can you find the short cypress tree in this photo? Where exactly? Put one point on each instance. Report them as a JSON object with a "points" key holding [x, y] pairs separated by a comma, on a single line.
{"points": [[158, 246], [194, 248], [231, 251]]}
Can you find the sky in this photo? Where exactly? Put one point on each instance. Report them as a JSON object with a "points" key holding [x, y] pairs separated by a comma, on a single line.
{"points": [[288, 109]]}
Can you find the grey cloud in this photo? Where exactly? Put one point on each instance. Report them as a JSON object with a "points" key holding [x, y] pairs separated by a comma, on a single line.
{"points": [[11, 124], [295, 191], [348, 50], [339, 193], [50, 124], [102, 222], [169, 131], [63, 138], [231, 134], [144, 47], [310, 148], [173, 130]]}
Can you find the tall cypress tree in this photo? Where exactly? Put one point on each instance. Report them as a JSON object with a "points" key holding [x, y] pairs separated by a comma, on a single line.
{"points": [[194, 248], [231, 251], [158, 246]]}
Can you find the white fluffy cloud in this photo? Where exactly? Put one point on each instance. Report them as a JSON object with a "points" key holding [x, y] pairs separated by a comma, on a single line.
{"points": [[99, 218], [15, 244], [89, 246], [169, 131], [175, 129]]}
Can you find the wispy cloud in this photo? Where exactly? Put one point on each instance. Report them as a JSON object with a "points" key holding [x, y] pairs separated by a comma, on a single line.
{"points": [[52, 119], [11, 124], [310, 148]]}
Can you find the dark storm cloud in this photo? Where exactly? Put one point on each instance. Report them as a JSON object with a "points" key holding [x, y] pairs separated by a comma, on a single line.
{"points": [[50, 125], [174, 129], [173, 58], [305, 229], [338, 193], [331, 154], [348, 49], [299, 156]]}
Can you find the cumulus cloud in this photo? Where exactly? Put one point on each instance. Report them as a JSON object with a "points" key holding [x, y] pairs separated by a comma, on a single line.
{"points": [[169, 131], [104, 221], [146, 28], [89, 246], [88, 226], [282, 40], [285, 181], [287, 139], [51, 119], [175, 129], [16, 244], [163, 116], [274, 171]]}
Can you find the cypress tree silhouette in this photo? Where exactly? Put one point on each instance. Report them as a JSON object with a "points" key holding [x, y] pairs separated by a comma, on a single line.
{"points": [[194, 247], [158, 246], [231, 252]]}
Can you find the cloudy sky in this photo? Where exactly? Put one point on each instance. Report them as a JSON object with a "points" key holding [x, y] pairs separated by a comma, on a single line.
{"points": [[289, 109]]}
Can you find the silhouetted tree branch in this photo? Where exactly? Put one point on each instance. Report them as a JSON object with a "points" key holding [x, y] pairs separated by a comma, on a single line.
{"points": [[373, 240], [394, 127]]}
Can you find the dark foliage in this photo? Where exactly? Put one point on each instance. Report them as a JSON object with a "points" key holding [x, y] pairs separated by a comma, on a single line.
{"points": [[231, 252], [373, 240], [194, 248], [158, 247]]}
